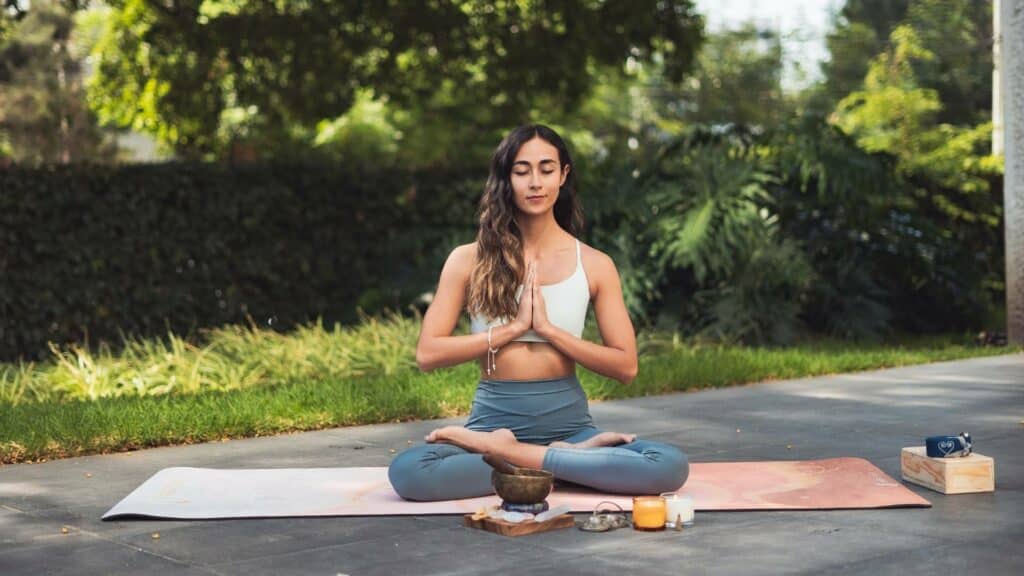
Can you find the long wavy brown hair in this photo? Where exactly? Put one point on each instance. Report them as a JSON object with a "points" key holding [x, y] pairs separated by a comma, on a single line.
{"points": [[499, 263]]}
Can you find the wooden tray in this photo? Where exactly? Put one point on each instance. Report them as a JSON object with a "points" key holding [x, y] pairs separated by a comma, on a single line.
{"points": [[526, 527]]}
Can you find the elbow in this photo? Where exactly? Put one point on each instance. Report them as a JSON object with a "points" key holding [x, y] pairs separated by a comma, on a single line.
{"points": [[630, 374], [423, 361]]}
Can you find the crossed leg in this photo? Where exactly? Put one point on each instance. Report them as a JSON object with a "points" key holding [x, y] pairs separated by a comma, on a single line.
{"points": [[503, 443], [450, 466]]}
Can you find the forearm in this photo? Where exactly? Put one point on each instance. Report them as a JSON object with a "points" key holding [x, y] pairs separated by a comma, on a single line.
{"points": [[605, 360], [442, 351]]}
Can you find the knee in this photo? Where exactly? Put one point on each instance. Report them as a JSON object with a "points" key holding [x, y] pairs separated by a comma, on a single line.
{"points": [[672, 470], [406, 473]]}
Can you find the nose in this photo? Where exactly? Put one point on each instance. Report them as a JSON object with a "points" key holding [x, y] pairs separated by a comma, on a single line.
{"points": [[534, 179]]}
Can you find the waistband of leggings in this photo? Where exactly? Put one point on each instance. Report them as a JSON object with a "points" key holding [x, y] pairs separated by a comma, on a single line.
{"points": [[568, 378]]}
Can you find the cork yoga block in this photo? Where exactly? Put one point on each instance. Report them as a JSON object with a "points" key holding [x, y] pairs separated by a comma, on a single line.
{"points": [[972, 473]]}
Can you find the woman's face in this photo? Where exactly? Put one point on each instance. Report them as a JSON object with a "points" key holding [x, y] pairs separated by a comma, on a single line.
{"points": [[536, 176]]}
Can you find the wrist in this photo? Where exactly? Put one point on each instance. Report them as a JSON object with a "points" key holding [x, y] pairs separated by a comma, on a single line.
{"points": [[498, 336], [545, 329], [516, 329]]}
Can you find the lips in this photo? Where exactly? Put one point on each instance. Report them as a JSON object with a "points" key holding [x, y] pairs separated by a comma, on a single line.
{"points": [[535, 197]]}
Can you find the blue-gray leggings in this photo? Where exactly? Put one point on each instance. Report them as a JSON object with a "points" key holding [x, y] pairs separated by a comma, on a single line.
{"points": [[537, 412]]}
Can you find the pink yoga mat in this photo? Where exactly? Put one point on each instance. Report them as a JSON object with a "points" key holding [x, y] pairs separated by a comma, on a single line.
{"points": [[205, 493]]}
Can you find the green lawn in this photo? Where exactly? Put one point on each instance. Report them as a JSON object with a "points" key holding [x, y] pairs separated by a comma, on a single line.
{"points": [[245, 382]]}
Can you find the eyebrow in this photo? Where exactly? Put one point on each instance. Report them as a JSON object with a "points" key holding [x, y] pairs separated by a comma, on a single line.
{"points": [[525, 163]]}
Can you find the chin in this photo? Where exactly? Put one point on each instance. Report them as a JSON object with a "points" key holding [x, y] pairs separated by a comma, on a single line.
{"points": [[536, 211]]}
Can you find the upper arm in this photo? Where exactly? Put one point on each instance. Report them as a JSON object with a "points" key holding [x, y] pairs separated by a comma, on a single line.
{"points": [[610, 308], [443, 313]]}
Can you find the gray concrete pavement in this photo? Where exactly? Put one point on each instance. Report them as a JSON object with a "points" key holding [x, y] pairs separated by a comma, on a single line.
{"points": [[870, 415]]}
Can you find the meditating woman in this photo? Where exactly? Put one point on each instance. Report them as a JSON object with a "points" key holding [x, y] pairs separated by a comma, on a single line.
{"points": [[527, 282]]}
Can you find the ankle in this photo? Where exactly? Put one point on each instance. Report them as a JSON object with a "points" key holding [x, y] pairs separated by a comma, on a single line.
{"points": [[503, 444]]}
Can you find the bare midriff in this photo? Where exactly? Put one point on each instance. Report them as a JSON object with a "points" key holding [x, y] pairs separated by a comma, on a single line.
{"points": [[528, 361]]}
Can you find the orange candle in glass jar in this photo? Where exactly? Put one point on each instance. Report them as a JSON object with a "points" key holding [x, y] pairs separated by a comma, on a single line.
{"points": [[649, 513]]}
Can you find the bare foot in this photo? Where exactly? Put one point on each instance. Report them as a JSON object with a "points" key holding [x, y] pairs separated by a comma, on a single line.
{"points": [[602, 439], [479, 442]]}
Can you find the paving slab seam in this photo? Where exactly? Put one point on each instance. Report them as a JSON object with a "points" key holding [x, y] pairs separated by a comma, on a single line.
{"points": [[135, 549], [850, 520], [98, 536], [318, 549], [897, 555], [141, 550]]}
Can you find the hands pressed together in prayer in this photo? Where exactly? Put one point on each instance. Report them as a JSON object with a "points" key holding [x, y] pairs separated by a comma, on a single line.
{"points": [[532, 312]]}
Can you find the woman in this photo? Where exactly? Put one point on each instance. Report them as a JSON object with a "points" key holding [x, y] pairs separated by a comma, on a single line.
{"points": [[529, 408]]}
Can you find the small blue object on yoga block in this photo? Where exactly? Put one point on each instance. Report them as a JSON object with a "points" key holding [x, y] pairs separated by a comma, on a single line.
{"points": [[948, 446]]}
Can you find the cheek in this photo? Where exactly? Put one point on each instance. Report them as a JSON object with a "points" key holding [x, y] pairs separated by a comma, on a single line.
{"points": [[520, 183]]}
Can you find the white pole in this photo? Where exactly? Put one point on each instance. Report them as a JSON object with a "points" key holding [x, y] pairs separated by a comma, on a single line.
{"points": [[1011, 68]]}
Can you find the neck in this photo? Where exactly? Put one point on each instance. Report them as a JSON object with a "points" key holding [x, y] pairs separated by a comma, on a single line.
{"points": [[539, 233]]}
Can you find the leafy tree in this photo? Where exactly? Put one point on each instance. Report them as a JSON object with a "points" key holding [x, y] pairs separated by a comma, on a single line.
{"points": [[948, 182], [894, 114], [737, 80], [957, 33], [182, 70], [846, 207], [860, 32], [43, 115], [11, 12]]}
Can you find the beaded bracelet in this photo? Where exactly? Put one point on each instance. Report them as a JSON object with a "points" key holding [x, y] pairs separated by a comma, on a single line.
{"points": [[491, 353]]}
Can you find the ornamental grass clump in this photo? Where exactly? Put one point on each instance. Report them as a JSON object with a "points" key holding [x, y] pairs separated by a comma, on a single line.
{"points": [[228, 358]]}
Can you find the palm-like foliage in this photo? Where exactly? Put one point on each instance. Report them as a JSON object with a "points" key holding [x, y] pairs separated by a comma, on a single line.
{"points": [[763, 301], [713, 222], [837, 200], [711, 203]]}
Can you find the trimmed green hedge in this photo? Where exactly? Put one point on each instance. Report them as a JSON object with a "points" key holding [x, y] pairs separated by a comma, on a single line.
{"points": [[88, 253]]}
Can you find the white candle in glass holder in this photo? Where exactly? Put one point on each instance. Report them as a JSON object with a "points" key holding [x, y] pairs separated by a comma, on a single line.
{"points": [[679, 507]]}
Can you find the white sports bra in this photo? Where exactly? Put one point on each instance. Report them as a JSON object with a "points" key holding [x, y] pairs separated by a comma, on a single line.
{"points": [[566, 304]]}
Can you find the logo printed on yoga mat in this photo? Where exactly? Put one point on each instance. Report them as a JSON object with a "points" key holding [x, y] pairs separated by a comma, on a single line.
{"points": [[883, 480]]}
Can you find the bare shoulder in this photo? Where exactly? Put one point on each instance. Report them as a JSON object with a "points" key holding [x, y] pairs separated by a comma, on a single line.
{"points": [[599, 267], [462, 258], [449, 298]]}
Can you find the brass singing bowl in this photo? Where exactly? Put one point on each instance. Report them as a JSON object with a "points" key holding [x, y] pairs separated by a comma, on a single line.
{"points": [[526, 486]]}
